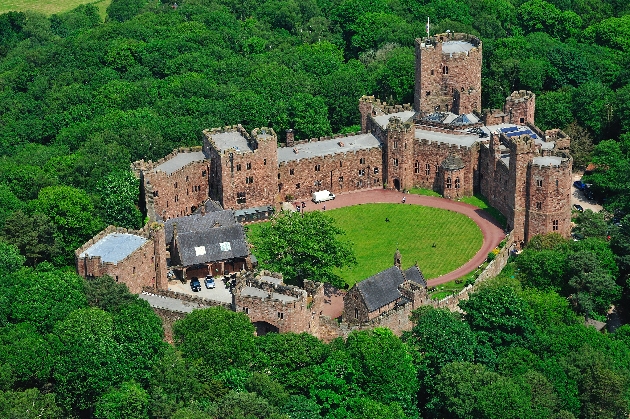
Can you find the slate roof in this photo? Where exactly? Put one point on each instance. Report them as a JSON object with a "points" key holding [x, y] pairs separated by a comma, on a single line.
{"points": [[452, 47], [327, 147], [231, 140], [453, 162], [415, 274], [115, 247], [382, 288], [383, 120], [198, 222], [211, 245]]}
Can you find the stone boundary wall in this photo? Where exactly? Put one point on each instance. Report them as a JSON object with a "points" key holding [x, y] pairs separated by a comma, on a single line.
{"points": [[188, 298]]}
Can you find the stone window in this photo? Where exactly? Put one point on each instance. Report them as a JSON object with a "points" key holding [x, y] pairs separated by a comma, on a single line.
{"points": [[361, 172], [340, 179], [416, 167], [246, 310], [427, 169], [360, 184], [175, 185], [555, 225], [462, 88], [340, 163], [362, 160], [176, 198], [448, 183], [116, 278], [249, 166], [538, 205], [522, 120], [203, 173], [395, 162], [278, 175], [238, 167], [457, 183], [395, 145], [249, 179], [432, 72], [240, 198], [445, 69], [279, 187], [155, 193], [297, 186], [557, 183], [134, 270], [280, 315], [264, 162], [376, 170], [317, 168], [291, 172], [539, 182], [166, 204], [186, 178], [356, 310], [428, 93]]}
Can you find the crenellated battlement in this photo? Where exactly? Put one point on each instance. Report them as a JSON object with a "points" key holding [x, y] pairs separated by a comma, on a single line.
{"points": [[146, 166]]}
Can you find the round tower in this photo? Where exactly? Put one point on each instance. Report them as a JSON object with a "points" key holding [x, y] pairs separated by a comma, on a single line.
{"points": [[452, 177], [448, 74]]}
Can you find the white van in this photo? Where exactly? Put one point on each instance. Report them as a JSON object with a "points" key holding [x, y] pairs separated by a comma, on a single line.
{"points": [[322, 196]]}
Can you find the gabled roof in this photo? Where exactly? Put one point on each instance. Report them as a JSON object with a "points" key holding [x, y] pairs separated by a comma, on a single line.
{"points": [[211, 245], [382, 288], [198, 222], [415, 274]]}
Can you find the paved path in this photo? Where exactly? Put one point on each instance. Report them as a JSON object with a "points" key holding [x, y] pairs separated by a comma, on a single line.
{"points": [[492, 232]]}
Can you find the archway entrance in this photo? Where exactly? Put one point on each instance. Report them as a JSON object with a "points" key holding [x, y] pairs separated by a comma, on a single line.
{"points": [[262, 328], [397, 184]]}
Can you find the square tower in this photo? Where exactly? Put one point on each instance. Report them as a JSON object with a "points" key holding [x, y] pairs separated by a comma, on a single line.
{"points": [[448, 74]]}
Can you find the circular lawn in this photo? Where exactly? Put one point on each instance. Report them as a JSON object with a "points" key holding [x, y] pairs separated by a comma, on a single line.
{"points": [[439, 240]]}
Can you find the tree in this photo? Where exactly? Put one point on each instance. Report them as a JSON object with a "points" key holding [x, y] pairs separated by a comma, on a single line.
{"points": [[29, 404], [105, 293], [219, 338], [122, 10], [384, 368], [119, 192], [581, 145], [10, 258], [73, 215], [498, 315], [34, 236], [129, 400], [303, 246], [88, 364]]}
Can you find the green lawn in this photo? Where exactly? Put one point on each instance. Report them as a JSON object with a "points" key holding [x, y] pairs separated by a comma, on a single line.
{"points": [[49, 7], [480, 201], [423, 191], [413, 229]]}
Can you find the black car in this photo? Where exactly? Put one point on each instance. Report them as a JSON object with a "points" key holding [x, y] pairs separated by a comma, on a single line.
{"points": [[578, 207], [195, 285]]}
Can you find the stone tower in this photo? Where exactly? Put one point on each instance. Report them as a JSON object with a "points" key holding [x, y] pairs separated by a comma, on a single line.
{"points": [[522, 151], [452, 177], [448, 74], [520, 107], [398, 154]]}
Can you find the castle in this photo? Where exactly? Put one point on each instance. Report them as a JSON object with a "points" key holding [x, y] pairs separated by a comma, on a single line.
{"points": [[443, 143]]}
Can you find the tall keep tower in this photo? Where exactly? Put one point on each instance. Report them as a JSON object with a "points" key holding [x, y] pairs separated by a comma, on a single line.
{"points": [[448, 74], [398, 153]]}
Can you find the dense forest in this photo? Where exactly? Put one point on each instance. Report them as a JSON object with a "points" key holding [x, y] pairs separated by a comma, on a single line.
{"points": [[81, 98]]}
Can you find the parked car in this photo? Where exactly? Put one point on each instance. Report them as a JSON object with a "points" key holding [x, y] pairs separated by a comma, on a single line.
{"points": [[579, 185], [578, 207], [209, 282], [577, 237], [195, 285]]}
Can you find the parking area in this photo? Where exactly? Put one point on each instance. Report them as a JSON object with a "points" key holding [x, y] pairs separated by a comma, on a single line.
{"points": [[220, 293], [578, 197]]}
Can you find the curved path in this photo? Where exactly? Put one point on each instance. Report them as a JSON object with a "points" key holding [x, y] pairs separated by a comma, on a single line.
{"points": [[492, 232]]}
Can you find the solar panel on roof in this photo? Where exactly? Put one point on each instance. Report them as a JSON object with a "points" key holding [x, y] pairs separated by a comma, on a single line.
{"points": [[510, 129]]}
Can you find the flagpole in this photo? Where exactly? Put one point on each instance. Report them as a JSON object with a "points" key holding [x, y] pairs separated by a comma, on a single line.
{"points": [[428, 26]]}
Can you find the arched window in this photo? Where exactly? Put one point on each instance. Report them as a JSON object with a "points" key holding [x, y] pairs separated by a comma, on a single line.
{"points": [[457, 183], [448, 183], [445, 69], [427, 169], [416, 167]]}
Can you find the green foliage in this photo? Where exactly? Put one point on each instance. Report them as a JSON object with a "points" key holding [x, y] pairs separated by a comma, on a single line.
{"points": [[128, 401], [303, 246], [34, 235], [119, 192], [122, 10], [10, 258], [105, 293], [499, 316], [29, 404], [219, 338]]}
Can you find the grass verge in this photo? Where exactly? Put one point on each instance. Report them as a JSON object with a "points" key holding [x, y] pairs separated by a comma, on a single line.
{"points": [[481, 202], [423, 191], [49, 7]]}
